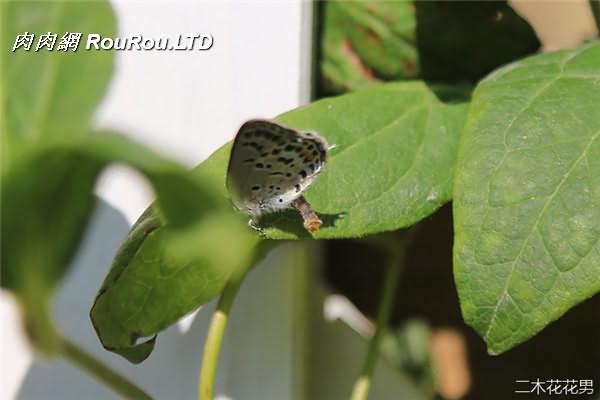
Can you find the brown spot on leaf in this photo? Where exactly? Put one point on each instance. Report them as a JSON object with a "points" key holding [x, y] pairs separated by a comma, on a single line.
{"points": [[356, 61], [408, 65], [373, 37]]}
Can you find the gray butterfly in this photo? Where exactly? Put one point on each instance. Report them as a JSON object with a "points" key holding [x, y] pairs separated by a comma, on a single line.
{"points": [[271, 166]]}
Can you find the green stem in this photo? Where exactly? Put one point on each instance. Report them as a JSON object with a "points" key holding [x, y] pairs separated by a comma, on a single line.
{"points": [[363, 383], [216, 330], [106, 375]]}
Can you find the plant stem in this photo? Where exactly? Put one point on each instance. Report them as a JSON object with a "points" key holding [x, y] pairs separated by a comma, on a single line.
{"points": [[103, 373], [361, 387], [216, 330]]}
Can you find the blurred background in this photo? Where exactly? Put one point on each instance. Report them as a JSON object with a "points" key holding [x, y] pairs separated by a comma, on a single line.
{"points": [[299, 326]]}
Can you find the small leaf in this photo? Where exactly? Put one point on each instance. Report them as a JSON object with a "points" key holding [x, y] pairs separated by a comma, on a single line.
{"points": [[52, 92], [365, 42], [527, 196]]}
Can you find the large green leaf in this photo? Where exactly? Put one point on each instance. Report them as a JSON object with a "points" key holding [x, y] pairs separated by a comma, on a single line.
{"points": [[527, 196], [51, 92]]}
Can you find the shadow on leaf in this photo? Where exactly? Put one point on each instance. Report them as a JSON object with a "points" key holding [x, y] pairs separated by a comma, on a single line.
{"points": [[290, 222]]}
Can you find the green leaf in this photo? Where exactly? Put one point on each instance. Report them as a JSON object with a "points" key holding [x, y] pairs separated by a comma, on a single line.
{"points": [[45, 94], [51, 92], [52, 184], [46, 201], [364, 42], [527, 196], [165, 276]]}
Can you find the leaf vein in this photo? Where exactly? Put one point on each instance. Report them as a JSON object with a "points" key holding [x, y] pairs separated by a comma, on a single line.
{"points": [[534, 228]]}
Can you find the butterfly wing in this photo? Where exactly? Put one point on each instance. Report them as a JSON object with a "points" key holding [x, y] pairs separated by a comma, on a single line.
{"points": [[271, 165]]}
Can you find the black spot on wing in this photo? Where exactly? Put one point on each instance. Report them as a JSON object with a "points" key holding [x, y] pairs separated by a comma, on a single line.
{"points": [[285, 160]]}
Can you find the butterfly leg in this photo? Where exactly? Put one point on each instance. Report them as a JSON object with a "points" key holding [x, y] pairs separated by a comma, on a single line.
{"points": [[252, 223], [312, 222]]}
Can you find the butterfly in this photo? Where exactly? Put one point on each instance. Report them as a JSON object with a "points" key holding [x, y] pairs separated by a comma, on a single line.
{"points": [[270, 167]]}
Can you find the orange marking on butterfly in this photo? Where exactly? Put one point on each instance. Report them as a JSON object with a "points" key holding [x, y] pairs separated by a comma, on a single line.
{"points": [[309, 156]]}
